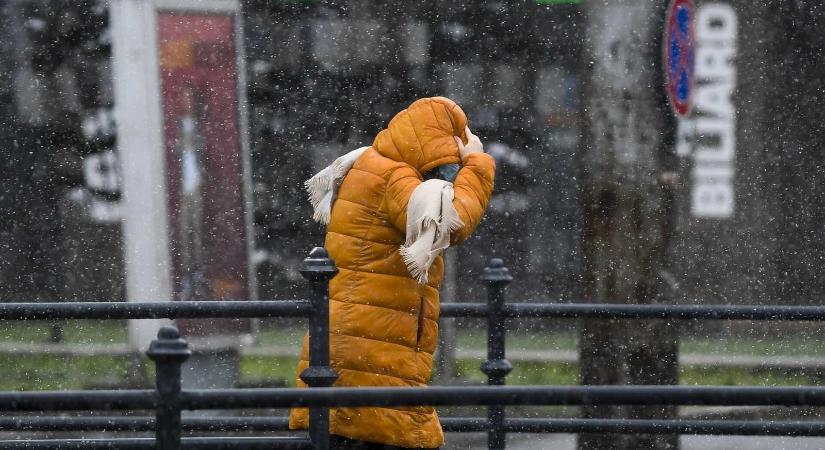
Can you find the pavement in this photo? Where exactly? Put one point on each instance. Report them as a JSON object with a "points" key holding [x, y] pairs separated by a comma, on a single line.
{"points": [[567, 356], [568, 442]]}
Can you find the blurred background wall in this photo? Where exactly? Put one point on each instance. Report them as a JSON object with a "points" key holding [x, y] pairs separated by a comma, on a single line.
{"points": [[325, 76]]}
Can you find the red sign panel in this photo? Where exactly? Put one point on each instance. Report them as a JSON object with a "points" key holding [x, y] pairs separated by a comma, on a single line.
{"points": [[203, 162], [680, 55]]}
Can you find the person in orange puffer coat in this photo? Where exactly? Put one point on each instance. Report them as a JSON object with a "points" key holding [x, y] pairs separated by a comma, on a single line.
{"points": [[384, 320]]}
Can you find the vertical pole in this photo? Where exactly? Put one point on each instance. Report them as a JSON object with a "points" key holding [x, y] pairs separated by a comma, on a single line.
{"points": [[168, 351], [318, 268], [447, 325], [626, 163], [140, 151], [496, 277]]}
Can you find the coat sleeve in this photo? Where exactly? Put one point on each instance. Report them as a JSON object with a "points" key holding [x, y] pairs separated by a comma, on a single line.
{"points": [[473, 187], [400, 186]]}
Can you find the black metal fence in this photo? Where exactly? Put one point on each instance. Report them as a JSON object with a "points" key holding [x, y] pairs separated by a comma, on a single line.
{"points": [[169, 351]]}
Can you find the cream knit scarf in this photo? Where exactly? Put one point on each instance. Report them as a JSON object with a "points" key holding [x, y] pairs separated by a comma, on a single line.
{"points": [[431, 216]]}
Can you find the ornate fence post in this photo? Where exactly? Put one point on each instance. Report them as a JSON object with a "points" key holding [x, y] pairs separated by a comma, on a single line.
{"points": [[496, 277], [168, 351], [318, 268]]}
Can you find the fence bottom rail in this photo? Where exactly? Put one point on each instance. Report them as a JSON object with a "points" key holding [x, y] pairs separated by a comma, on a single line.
{"points": [[198, 443], [642, 426], [449, 424]]}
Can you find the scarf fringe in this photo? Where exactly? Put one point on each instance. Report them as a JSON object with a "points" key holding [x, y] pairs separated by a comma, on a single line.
{"points": [[416, 253], [429, 234], [323, 186]]}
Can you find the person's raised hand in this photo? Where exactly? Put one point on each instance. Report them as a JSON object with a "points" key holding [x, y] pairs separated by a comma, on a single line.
{"points": [[473, 144]]}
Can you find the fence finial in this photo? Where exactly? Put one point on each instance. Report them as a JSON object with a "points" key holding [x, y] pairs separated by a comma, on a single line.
{"points": [[169, 346], [496, 272], [318, 265]]}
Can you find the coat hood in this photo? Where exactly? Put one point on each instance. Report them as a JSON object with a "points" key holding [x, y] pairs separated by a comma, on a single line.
{"points": [[422, 134]]}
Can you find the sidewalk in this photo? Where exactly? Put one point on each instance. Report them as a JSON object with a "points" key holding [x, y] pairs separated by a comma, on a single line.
{"points": [[568, 442], [565, 356]]}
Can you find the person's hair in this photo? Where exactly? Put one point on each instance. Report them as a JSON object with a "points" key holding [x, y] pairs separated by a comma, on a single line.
{"points": [[446, 172]]}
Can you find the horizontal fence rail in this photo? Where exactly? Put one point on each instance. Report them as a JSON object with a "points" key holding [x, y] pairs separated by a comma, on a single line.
{"points": [[302, 308], [170, 350], [619, 311], [426, 396], [109, 400], [503, 395], [449, 424], [154, 310], [137, 424], [697, 427], [196, 443], [645, 426]]}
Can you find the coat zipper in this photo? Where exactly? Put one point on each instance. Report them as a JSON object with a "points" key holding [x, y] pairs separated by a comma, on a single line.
{"points": [[420, 330]]}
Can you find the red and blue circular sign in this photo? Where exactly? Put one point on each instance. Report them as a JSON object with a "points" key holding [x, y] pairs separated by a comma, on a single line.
{"points": [[680, 55]]}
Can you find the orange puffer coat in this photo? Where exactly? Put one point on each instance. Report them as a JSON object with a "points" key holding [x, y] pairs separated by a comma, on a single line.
{"points": [[383, 323]]}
